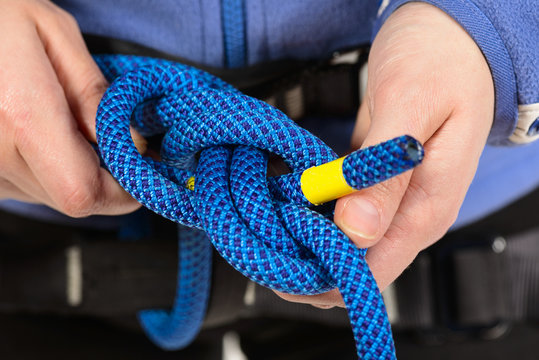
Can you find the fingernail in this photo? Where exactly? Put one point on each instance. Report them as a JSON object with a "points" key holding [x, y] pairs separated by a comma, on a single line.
{"points": [[361, 218]]}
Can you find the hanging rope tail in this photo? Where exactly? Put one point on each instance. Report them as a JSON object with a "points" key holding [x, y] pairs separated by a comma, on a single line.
{"points": [[264, 227]]}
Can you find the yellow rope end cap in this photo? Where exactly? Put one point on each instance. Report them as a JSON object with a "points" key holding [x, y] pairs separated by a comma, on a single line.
{"points": [[324, 183]]}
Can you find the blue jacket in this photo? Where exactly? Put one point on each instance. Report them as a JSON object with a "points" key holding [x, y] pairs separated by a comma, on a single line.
{"points": [[236, 33]]}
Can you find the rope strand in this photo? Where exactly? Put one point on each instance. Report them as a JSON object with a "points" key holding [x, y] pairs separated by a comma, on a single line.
{"points": [[263, 228]]}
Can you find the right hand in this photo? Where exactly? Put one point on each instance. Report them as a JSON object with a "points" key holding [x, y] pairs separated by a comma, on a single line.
{"points": [[50, 88], [439, 91]]}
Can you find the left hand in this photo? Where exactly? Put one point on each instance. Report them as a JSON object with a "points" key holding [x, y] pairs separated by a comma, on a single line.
{"points": [[428, 79]]}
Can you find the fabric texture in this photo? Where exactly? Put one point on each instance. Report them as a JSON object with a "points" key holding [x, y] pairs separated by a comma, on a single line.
{"points": [[507, 33], [293, 29], [190, 29], [195, 30]]}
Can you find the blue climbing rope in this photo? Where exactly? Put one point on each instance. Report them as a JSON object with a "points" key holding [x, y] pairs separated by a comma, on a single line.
{"points": [[263, 227], [177, 328]]}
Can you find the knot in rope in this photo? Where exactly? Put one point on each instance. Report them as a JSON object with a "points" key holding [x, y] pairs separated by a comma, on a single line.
{"points": [[263, 227]]}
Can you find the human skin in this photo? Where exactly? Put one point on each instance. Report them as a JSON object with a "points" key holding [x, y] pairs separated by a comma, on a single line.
{"points": [[49, 91], [426, 78]]}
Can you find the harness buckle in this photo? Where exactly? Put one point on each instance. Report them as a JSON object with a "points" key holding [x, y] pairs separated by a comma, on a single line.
{"points": [[470, 286]]}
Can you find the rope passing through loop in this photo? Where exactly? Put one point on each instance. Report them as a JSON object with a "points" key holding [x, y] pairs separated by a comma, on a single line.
{"points": [[263, 227]]}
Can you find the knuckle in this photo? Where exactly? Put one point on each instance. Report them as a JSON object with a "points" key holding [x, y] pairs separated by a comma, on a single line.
{"points": [[66, 17], [50, 14], [55, 11], [64, 20], [94, 85], [78, 201], [67, 20]]}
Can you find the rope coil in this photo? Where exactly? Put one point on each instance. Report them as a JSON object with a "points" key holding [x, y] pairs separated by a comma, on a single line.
{"points": [[263, 228]]}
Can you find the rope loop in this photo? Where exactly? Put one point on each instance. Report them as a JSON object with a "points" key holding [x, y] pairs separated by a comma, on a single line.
{"points": [[262, 227]]}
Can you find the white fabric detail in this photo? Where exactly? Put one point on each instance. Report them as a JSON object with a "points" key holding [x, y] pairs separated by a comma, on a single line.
{"points": [[527, 114], [293, 100], [382, 7], [363, 77], [73, 275], [390, 300], [348, 57], [249, 297], [231, 347]]}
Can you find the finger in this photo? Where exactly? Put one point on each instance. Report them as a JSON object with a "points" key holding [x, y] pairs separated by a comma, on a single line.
{"points": [[433, 198], [13, 168], [59, 156], [399, 107], [325, 301], [402, 98], [69, 172], [19, 182], [80, 77], [67, 166], [22, 80], [10, 191], [433, 93], [361, 128]]}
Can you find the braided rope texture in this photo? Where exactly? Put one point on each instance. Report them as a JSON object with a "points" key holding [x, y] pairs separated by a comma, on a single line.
{"points": [[262, 227], [177, 328], [378, 163]]}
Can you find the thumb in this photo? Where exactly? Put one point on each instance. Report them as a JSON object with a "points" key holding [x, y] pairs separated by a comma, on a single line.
{"points": [[399, 108]]}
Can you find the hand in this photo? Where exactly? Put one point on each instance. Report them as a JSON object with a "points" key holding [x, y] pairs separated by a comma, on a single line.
{"points": [[428, 79], [49, 91]]}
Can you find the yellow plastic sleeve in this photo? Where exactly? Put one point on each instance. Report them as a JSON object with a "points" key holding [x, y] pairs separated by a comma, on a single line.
{"points": [[324, 183], [190, 183]]}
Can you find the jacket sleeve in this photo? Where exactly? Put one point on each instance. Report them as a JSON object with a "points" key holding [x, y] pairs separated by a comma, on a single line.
{"points": [[507, 32]]}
